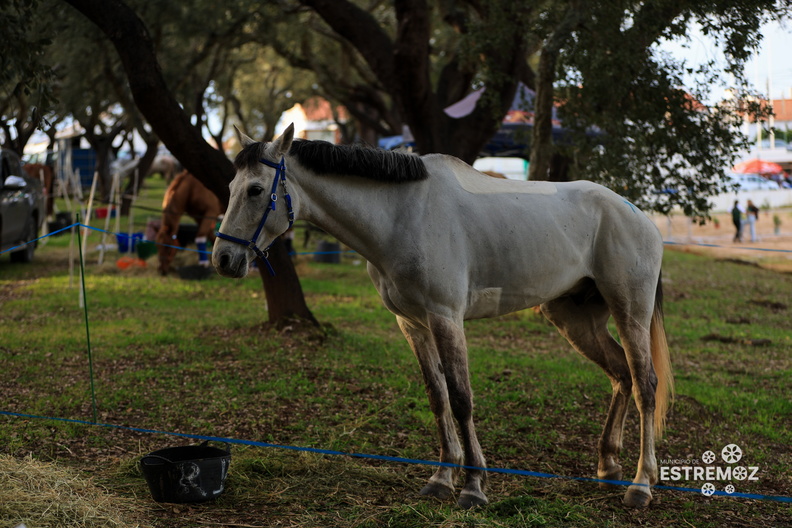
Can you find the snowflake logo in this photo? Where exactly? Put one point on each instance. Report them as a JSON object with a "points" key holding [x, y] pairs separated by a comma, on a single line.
{"points": [[731, 453], [708, 489], [708, 457], [729, 489], [740, 473]]}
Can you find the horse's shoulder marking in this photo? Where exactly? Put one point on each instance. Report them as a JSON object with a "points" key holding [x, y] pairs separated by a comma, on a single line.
{"points": [[475, 182]]}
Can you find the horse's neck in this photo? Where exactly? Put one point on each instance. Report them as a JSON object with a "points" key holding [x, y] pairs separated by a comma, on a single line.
{"points": [[360, 213], [175, 201]]}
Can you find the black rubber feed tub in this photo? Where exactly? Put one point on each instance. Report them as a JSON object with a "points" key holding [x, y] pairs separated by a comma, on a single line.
{"points": [[186, 474]]}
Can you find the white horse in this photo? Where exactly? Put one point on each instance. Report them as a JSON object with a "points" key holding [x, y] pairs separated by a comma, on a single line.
{"points": [[445, 244]]}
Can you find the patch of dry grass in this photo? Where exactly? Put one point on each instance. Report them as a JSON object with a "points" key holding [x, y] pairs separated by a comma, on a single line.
{"points": [[44, 495]]}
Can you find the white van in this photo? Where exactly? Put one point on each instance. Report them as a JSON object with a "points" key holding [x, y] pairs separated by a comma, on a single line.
{"points": [[512, 168]]}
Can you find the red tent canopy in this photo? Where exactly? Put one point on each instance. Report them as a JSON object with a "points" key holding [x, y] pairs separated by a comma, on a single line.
{"points": [[757, 166]]}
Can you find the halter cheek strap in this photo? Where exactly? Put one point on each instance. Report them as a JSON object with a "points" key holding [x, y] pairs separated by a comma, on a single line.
{"points": [[280, 177]]}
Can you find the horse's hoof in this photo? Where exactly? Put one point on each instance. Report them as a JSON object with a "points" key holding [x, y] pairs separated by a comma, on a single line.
{"points": [[438, 491], [613, 474], [637, 497], [471, 499]]}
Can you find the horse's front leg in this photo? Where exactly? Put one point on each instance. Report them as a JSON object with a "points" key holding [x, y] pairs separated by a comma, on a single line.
{"points": [[449, 339], [441, 484]]}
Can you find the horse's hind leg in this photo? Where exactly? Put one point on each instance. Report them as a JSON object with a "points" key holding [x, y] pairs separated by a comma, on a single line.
{"points": [[584, 324], [631, 307], [633, 324], [205, 228], [441, 484]]}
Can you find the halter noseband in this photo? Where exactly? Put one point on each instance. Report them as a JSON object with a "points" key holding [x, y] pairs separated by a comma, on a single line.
{"points": [[280, 176]]}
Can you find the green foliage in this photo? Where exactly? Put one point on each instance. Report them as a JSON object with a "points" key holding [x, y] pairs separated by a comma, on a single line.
{"points": [[638, 128], [26, 77], [264, 86]]}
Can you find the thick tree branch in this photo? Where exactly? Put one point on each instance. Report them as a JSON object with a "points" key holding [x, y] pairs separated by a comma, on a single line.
{"points": [[152, 96], [414, 94], [362, 31]]}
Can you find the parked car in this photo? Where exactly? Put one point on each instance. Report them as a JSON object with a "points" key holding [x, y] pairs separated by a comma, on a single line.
{"points": [[22, 207], [752, 182]]}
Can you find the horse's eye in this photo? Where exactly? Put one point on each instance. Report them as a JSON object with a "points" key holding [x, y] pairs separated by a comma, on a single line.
{"points": [[255, 190]]}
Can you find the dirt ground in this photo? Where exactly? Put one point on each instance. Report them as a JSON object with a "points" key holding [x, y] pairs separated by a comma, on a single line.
{"points": [[772, 250]]}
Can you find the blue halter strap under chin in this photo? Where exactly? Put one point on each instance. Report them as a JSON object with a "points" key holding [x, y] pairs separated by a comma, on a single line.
{"points": [[280, 176]]}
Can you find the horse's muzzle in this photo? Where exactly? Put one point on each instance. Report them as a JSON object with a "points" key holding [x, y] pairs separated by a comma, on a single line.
{"points": [[230, 262]]}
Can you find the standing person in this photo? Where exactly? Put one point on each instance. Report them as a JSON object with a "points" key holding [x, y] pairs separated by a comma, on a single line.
{"points": [[737, 221], [753, 216]]}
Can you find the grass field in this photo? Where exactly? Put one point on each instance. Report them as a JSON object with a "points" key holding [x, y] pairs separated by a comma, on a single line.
{"points": [[194, 357]]}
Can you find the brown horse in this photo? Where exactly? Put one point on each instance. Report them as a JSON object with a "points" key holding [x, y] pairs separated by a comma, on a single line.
{"points": [[186, 195]]}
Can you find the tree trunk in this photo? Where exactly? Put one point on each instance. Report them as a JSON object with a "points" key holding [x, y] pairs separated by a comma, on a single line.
{"points": [[161, 109], [153, 97], [282, 302], [133, 184], [542, 137], [102, 145], [542, 150]]}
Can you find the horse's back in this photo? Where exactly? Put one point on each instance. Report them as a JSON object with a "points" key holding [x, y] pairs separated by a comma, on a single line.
{"points": [[530, 241], [542, 200], [187, 194], [477, 183]]}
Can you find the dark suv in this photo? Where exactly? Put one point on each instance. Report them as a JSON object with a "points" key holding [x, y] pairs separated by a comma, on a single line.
{"points": [[22, 207]]}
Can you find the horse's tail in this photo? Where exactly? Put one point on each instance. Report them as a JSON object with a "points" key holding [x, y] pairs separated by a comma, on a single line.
{"points": [[661, 360]]}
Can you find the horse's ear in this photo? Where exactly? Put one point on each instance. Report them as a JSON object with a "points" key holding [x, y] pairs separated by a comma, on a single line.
{"points": [[244, 140], [282, 145]]}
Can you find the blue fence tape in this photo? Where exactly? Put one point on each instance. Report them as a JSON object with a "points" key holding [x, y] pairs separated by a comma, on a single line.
{"points": [[126, 235], [37, 239], [386, 458]]}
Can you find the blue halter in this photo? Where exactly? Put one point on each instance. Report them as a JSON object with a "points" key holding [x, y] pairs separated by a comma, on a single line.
{"points": [[280, 176]]}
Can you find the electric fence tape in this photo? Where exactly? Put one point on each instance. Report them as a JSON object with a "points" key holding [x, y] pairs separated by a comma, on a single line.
{"points": [[386, 458]]}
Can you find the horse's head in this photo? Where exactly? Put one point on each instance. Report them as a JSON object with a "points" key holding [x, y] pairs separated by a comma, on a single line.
{"points": [[258, 208]]}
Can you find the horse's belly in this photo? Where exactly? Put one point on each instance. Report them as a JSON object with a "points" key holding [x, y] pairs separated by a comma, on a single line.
{"points": [[509, 291]]}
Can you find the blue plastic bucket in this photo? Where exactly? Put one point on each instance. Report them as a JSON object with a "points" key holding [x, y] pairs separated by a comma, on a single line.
{"points": [[123, 240]]}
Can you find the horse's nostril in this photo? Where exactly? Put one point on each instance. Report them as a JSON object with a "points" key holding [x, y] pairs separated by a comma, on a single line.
{"points": [[225, 260]]}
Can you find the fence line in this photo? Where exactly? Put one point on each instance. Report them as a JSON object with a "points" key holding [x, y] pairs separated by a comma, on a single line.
{"points": [[128, 236], [387, 458]]}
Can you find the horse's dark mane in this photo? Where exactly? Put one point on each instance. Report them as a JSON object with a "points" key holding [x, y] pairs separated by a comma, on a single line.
{"points": [[384, 165], [322, 157]]}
